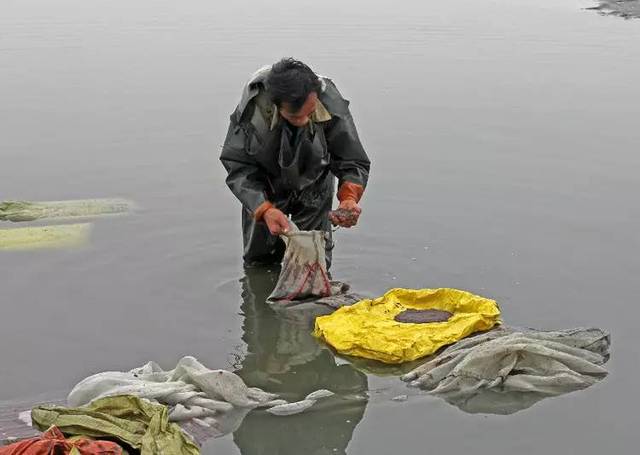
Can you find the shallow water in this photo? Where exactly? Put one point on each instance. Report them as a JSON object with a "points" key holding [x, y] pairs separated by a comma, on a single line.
{"points": [[504, 140]]}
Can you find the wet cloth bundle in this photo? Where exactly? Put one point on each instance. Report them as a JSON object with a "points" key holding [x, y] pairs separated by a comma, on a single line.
{"points": [[304, 277], [191, 390], [304, 271], [139, 424], [508, 369], [53, 441], [30, 211], [370, 329]]}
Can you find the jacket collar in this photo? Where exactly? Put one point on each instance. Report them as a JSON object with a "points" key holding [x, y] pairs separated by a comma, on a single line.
{"points": [[321, 114]]}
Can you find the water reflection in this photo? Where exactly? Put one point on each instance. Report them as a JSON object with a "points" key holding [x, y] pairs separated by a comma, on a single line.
{"points": [[283, 357], [495, 401]]}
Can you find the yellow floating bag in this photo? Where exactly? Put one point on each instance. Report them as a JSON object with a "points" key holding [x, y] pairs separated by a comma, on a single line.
{"points": [[369, 328]]}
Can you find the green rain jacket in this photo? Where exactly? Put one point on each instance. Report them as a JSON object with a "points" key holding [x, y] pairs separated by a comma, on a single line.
{"points": [[263, 164]]}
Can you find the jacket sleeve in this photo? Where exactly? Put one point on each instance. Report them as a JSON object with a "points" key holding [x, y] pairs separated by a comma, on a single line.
{"points": [[349, 161], [245, 178]]}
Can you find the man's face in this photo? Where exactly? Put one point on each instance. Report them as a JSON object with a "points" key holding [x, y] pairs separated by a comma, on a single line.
{"points": [[300, 118]]}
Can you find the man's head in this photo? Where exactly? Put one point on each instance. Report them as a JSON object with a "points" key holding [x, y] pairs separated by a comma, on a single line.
{"points": [[294, 89]]}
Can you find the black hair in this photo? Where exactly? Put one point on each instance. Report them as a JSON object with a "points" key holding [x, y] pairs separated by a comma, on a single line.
{"points": [[291, 81]]}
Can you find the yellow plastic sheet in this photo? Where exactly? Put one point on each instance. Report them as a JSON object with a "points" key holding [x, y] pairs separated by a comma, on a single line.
{"points": [[368, 329]]}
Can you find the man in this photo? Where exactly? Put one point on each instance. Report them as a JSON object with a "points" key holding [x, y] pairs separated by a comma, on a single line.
{"points": [[289, 137]]}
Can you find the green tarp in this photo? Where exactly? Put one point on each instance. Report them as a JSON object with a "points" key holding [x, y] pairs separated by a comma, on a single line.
{"points": [[30, 211], [140, 424]]}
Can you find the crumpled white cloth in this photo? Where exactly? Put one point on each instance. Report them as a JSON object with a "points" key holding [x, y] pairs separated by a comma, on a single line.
{"points": [[507, 369], [190, 390]]}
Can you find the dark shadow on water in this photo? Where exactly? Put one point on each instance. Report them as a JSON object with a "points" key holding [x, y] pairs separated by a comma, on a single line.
{"points": [[284, 357]]}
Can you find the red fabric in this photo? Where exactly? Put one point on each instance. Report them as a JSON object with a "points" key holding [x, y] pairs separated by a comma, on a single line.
{"points": [[310, 270], [53, 442], [350, 190]]}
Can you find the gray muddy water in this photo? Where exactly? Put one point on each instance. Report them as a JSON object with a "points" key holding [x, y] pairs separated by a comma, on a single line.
{"points": [[504, 139]]}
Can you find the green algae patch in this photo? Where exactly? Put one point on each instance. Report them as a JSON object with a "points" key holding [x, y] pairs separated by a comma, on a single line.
{"points": [[39, 237], [18, 211]]}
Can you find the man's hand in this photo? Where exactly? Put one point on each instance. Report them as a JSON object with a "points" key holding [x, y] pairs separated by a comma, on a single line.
{"points": [[346, 215], [277, 222]]}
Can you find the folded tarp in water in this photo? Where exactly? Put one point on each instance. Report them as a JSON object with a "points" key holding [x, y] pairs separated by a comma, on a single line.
{"points": [[30, 211], [370, 328], [137, 423], [36, 237], [507, 369]]}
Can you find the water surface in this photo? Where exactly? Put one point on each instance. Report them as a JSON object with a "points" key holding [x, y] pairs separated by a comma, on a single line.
{"points": [[504, 140]]}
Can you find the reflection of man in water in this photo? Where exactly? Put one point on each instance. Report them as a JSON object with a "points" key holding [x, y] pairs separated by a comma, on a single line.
{"points": [[283, 357], [290, 136]]}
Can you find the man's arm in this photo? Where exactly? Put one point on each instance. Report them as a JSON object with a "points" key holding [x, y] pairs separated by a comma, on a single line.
{"points": [[244, 177], [247, 182], [349, 161]]}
